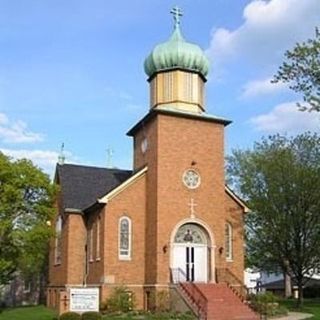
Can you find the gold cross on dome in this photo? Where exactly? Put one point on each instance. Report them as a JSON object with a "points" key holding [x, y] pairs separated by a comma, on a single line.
{"points": [[177, 13], [192, 204]]}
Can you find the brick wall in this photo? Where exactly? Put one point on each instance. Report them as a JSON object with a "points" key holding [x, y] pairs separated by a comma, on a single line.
{"points": [[156, 202]]}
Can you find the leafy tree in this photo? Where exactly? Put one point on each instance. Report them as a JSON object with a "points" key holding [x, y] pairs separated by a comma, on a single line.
{"points": [[302, 71], [26, 204], [280, 178]]}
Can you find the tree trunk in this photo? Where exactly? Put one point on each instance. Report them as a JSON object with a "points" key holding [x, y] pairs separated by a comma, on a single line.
{"points": [[300, 293], [42, 299], [43, 280], [287, 279], [287, 285]]}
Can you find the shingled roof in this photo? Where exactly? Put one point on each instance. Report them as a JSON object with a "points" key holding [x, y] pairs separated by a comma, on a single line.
{"points": [[81, 186]]}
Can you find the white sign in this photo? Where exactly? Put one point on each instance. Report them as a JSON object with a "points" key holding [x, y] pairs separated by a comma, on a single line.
{"points": [[84, 299]]}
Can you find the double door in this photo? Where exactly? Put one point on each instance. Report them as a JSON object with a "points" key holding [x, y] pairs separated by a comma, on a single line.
{"points": [[192, 260]]}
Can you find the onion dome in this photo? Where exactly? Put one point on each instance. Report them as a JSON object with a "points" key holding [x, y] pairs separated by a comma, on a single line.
{"points": [[176, 53]]}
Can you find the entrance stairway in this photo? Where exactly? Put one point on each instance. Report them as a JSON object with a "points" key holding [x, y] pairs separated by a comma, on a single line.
{"points": [[224, 300], [224, 304]]}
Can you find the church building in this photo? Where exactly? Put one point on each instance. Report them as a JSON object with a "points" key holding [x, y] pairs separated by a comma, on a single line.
{"points": [[170, 223]]}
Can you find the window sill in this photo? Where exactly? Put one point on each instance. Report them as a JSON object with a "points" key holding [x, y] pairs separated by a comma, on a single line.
{"points": [[57, 264], [91, 261], [98, 259], [229, 260], [125, 258]]}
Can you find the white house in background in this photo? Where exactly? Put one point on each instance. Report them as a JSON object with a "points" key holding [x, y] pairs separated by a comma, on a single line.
{"points": [[261, 281]]}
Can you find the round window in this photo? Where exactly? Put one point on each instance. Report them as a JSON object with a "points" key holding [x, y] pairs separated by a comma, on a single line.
{"points": [[191, 179]]}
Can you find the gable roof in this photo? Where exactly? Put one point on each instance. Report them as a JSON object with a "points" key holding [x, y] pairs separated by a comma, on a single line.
{"points": [[237, 199], [113, 193], [81, 186]]}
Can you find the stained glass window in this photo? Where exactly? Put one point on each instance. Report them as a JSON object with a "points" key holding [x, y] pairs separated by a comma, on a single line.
{"points": [[190, 233], [228, 239], [91, 243], [57, 253], [191, 179], [124, 238], [98, 238]]}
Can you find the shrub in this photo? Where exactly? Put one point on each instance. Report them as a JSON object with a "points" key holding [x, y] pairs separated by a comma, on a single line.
{"points": [[70, 316], [267, 304], [161, 300], [91, 315], [171, 316], [121, 299]]}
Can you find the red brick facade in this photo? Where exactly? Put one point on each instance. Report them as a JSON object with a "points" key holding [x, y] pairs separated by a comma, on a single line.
{"points": [[157, 203]]}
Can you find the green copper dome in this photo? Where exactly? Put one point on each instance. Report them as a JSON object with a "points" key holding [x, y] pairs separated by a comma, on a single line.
{"points": [[176, 53]]}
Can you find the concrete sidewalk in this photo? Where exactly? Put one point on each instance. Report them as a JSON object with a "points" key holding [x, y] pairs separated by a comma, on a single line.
{"points": [[295, 316]]}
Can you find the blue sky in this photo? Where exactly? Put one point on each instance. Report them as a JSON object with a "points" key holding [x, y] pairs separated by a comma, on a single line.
{"points": [[72, 71]]}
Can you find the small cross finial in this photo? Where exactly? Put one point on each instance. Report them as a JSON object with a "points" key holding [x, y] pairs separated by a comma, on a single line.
{"points": [[177, 13], [109, 157], [61, 157]]}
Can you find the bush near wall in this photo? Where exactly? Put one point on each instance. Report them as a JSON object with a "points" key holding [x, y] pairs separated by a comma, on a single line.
{"points": [[120, 300], [91, 315], [70, 316], [267, 304]]}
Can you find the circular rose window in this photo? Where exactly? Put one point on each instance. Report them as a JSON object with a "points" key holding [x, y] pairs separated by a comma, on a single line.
{"points": [[191, 179]]}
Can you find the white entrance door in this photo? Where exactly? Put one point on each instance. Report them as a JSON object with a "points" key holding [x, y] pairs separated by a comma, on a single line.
{"points": [[192, 260]]}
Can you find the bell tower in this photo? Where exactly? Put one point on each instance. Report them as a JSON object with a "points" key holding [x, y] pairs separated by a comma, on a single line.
{"points": [[179, 144], [177, 72]]}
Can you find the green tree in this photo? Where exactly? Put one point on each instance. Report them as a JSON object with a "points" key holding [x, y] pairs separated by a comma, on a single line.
{"points": [[301, 70], [280, 179], [26, 204]]}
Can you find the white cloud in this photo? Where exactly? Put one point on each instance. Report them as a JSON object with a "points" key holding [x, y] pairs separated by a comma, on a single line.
{"points": [[16, 131], [286, 117], [257, 88], [44, 159], [269, 28]]}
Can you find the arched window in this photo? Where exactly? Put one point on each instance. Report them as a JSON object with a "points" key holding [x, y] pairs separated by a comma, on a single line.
{"points": [[228, 239], [90, 243], [57, 249], [98, 238], [190, 233], [124, 238]]}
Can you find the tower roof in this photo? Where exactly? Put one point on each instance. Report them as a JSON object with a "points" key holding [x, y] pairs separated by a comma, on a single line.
{"points": [[176, 53]]}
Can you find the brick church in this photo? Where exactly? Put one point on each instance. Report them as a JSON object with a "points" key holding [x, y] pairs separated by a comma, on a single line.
{"points": [[170, 223]]}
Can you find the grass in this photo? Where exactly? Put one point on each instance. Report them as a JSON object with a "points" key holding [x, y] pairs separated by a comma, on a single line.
{"points": [[309, 306], [28, 313], [43, 313], [160, 316]]}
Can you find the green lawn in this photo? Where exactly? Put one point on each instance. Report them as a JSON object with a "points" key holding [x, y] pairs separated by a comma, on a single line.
{"points": [[28, 313], [43, 313], [309, 306]]}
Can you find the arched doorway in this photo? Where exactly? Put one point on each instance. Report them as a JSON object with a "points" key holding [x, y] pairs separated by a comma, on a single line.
{"points": [[191, 255]]}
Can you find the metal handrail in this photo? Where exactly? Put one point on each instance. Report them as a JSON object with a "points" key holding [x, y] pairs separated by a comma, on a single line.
{"points": [[232, 281], [191, 291]]}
